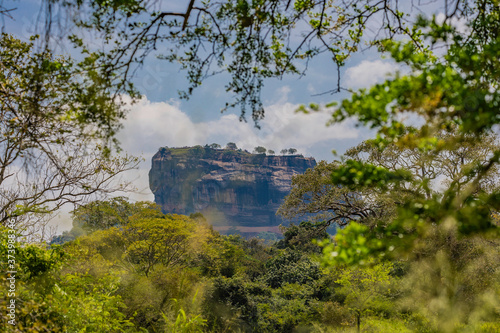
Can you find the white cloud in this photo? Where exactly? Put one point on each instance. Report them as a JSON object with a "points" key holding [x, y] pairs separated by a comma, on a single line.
{"points": [[151, 125], [459, 23], [368, 73]]}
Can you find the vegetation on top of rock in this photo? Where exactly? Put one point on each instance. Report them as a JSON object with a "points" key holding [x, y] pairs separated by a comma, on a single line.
{"points": [[231, 147]]}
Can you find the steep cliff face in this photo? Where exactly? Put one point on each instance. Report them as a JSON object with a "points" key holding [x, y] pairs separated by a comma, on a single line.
{"points": [[230, 187]]}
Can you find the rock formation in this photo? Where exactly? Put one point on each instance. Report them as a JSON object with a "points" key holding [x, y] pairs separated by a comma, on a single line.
{"points": [[230, 187]]}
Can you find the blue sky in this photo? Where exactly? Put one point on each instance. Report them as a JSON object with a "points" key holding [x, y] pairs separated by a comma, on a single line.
{"points": [[162, 119]]}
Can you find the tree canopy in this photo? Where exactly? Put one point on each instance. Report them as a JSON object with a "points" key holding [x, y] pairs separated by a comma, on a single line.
{"points": [[440, 92], [314, 194], [58, 122], [260, 150], [418, 249], [251, 40]]}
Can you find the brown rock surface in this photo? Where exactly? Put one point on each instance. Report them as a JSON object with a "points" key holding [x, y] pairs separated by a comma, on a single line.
{"points": [[230, 187]]}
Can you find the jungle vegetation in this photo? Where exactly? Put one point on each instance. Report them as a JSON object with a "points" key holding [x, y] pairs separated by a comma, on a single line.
{"points": [[417, 244]]}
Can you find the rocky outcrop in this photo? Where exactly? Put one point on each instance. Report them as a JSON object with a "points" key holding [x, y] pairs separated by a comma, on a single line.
{"points": [[230, 187]]}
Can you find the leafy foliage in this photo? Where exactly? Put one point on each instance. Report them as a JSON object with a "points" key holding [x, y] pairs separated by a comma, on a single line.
{"points": [[301, 237], [157, 240], [120, 278], [251, 40], [260, 150], [58, 120], [435, 230], [366, 289], [418, 249], [314, 193], [48, 301]]}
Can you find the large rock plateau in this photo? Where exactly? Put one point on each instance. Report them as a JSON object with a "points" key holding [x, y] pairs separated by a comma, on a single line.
{"points": [[230, 187]]}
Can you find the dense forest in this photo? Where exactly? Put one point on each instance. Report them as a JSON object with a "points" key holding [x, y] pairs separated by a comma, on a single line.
{"points": [[130, 268], [416, 208]]}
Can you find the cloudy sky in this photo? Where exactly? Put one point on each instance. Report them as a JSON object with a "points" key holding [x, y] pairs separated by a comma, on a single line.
{"points": [[160, 118], [153, 123]]}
